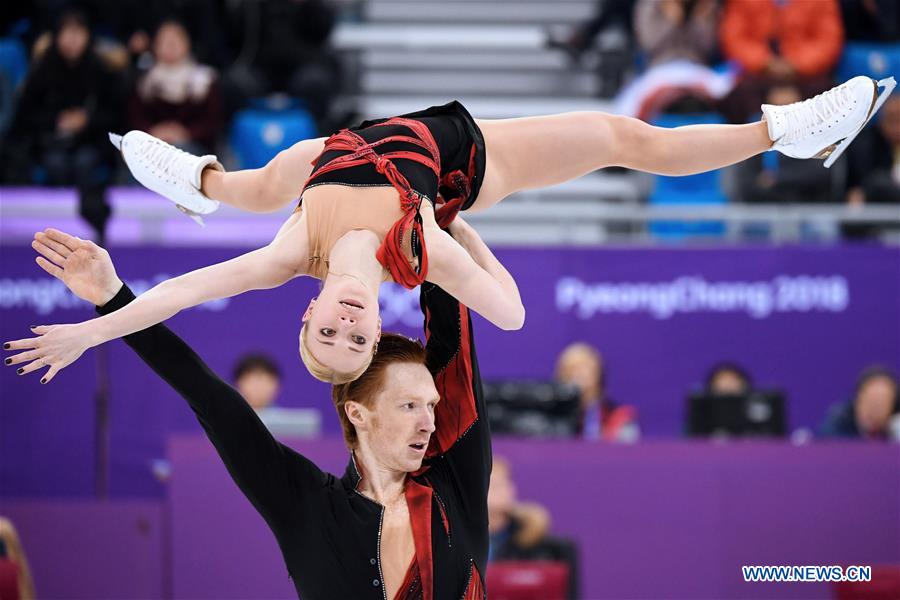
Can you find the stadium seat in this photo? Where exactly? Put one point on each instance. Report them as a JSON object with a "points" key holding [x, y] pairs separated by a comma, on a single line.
{"points": [[258, 134], [699, 189], [527, 580], [13, 60], [865, 58], [885, 585]]}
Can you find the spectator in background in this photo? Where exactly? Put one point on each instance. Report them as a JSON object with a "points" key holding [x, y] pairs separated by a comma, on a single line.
{"points": [[779, 43], [130, 24], [258, 379], [873, 174], [678, 39], [519, 530], [728, 379], [15, 574], [872, 413], [582, 365], [610, 14], [282, 47], [871, 20], [68, 103], [177, 100], [668, 30]]}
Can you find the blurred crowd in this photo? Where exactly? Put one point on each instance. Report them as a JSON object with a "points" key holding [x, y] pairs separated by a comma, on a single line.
{"points": [[723, 59], [184, 71], [725, 402], [728, 404], [176, 69]]}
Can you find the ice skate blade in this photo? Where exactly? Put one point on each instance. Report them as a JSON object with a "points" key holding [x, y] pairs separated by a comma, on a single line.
{"points": [[116, 140], [888, 86], [826, 152], [196, 217]]}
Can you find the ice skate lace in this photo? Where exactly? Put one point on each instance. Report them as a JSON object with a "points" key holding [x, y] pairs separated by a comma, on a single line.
{"points": [[166, 159], [802, 118]]}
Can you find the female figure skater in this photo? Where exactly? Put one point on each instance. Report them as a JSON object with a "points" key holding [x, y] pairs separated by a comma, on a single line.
{"points": [[408, 519], [352, 232]]}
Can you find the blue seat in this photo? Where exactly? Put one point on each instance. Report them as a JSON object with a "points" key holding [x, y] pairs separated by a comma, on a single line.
{"points": [[867, 58], [13, 60], [694, 190], [258, 134]]}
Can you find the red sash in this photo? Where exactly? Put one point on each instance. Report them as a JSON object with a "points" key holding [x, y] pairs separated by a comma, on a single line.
{"points": [[390, 252]]}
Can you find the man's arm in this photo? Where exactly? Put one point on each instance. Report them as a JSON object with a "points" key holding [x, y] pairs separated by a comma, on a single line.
{"points": [[262, 467], [461, 437]]}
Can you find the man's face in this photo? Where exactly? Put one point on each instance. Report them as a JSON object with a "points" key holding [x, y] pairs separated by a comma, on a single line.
{"points": [[728, 383], [72, 41], [874, 404], [502, 492], [259, 388], [399, 424], [172, 44], [583, 371]]}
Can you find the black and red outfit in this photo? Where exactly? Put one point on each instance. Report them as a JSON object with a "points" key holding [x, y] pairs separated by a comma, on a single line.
{"points": [[436, 154], [329, 533]]}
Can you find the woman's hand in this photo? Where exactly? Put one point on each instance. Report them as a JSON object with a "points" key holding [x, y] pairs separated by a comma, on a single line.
{"points": [[461, 231], [88, 272], [82, 265], [57, 346]]}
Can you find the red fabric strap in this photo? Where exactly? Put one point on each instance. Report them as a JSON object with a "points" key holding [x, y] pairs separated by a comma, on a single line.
{"points": [[390, 252], [418, 500], [462, 183]]}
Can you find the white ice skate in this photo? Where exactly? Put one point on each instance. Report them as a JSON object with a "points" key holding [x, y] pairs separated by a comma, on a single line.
{"points": [[823, 126], [168, 171]]}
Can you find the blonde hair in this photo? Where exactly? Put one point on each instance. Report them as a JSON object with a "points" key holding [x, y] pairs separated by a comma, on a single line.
{"points": [[325, 373]]}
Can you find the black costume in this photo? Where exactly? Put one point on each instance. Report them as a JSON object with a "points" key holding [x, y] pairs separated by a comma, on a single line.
{"points": [[328, 532], [458, 139]]}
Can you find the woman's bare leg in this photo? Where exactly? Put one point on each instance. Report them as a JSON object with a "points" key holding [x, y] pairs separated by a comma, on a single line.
{"points": [[534, 152], [269, 188]]}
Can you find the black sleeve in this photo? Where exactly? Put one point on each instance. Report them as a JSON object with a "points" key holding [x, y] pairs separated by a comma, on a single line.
{"points": [[462, 443], [272, 476]]}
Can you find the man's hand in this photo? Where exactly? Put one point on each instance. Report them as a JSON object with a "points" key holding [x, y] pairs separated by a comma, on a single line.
{"points": [[780, 69], [82, 265], [71, 121]]}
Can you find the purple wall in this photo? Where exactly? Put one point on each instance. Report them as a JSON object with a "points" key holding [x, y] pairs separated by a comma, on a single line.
{"points": [[807, 319], [655, 520], [659, 519], [93, 550]]}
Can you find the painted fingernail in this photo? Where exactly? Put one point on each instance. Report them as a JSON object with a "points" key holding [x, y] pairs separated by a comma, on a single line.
{"points": [[44, 380], [8, 360], [19, 370], [6, 346]]}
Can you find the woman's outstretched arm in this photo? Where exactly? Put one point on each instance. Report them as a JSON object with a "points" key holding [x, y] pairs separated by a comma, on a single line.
{"points": [[273, 477], [58, 346], [465, 267]]}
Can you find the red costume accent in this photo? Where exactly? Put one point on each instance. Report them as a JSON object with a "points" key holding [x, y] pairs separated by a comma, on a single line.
{"points": [[390, 252]]}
